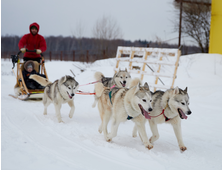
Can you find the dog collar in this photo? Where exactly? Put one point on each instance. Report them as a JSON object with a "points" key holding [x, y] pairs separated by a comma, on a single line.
{"points": [[166, 118], [112, 86]]}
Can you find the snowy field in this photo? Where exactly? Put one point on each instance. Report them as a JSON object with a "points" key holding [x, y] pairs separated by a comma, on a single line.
{"points": [[32, 141]]}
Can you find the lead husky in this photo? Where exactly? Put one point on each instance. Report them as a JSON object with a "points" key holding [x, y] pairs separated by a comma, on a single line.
{"points": [[120, 79], [59, 92], [170, 107], [133, 103]]}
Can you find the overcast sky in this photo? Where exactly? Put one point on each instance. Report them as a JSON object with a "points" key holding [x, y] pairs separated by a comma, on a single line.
{"points": [[138, 19]]}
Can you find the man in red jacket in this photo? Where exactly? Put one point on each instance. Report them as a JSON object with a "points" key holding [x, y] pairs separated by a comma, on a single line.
{"points": [[33, 41]]}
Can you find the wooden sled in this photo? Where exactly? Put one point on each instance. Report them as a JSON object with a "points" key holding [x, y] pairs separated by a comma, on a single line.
{"points": [[23, 92]]}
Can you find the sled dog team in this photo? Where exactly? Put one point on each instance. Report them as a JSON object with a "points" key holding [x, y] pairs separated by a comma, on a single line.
{"points": [[121, 99]]}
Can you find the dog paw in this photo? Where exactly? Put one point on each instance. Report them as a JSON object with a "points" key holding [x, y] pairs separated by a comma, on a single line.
{"points": [[70, 115], [60, 121], [183, 148], [108, 140], [149, 146], [100, 130], [134, 135], [45, 113]]}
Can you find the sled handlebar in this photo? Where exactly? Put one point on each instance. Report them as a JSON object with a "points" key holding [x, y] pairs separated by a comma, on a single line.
{"points": [[33, 51], [29, 51], [15, 58]]}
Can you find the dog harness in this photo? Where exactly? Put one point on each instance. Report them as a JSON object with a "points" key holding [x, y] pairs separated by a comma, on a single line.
{"points": [[129, 117], [59, 91], [110, 93], [166, 118], [110, 96]]}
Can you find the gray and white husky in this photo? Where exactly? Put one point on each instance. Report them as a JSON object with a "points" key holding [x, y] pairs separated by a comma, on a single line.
{"points": [[124, 104], [120, 79], [59, 92], [168, 107]]}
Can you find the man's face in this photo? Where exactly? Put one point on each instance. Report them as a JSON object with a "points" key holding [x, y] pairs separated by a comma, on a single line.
{"points": [[34, 31]]}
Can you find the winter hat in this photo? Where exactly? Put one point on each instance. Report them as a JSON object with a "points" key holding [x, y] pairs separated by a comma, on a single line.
{"points": [[35, 25], [28, 64]]}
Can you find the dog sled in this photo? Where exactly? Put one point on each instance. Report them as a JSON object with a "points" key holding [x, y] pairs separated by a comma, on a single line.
{"points": [[21, 90]]}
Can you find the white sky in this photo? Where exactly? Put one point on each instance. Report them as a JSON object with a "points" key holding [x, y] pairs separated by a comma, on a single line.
{"points": [[138, 19]]}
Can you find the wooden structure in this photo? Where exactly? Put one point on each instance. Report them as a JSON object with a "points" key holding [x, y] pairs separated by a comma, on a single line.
{"points": [[155, 59]]}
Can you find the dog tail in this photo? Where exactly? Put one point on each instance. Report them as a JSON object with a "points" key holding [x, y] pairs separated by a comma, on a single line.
{"points": [[41, 80], [99, 88], [98, 75], [134, 82]]}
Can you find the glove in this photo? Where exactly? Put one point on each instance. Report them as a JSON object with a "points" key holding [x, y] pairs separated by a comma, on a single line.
{"points": [[38, 51], [23, 50]]}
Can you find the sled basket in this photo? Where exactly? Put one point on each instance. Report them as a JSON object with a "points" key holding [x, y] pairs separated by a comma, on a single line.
{"points": [[21, 90]]}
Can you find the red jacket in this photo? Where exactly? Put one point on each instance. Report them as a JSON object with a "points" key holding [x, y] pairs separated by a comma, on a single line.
{"points": [[31, 42]]}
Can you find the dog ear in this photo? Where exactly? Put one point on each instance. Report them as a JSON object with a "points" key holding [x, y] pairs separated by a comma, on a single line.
{"points": [[146, 86], [63, 79], [176, 90], [185, 90], [126, 70], [119, 70], [115, 75]]}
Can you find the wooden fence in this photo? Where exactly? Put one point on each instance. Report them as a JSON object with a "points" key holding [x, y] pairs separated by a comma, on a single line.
{"points": [[84, 56]]}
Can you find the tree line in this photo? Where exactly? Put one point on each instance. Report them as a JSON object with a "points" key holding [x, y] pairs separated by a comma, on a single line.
{"points": [[72, 48]]}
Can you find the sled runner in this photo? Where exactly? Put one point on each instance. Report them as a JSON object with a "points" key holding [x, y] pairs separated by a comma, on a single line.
{"points": [[21, 90]]}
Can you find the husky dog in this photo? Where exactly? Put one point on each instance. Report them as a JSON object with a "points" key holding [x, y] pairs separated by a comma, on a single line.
{"points": [[133, 103], [170, 106], [59, 92], [120, 79]]}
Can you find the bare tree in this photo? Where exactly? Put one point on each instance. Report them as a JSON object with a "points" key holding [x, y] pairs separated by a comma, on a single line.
{"points": [[106, 29], [78, 34], [196, 22], [79, 30]]}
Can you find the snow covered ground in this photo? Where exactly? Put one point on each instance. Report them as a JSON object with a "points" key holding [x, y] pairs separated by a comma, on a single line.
{"points": [[32, 141]]}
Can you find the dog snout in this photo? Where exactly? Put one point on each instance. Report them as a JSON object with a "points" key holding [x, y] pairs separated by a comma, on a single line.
{"points": [[72, 94], [150, 109], [189, 112], [124, 82]]}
